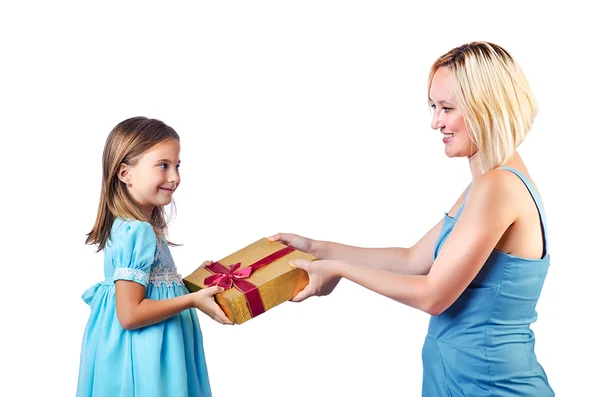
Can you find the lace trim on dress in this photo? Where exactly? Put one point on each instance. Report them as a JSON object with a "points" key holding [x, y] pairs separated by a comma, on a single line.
{"points": [[131, 274], [167, 276]]}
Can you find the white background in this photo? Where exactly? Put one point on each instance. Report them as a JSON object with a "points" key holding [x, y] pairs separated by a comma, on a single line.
{"points": [[308, 117]]}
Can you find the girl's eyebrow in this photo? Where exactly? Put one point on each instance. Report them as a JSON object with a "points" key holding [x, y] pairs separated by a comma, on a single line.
{"points": [[166, 161]]}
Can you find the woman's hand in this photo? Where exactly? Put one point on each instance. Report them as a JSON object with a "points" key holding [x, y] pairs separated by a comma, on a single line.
{"points": [[324, 275], [204, 301], [298, 242]]}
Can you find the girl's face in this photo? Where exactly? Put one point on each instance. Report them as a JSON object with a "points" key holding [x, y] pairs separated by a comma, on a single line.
{"points": [[447, 117], [154, 177]]}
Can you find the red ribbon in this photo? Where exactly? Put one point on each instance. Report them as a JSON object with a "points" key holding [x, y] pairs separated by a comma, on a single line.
{"points": [[233, 276]]}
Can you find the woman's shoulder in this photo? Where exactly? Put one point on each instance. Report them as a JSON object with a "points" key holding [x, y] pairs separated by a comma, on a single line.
{"points": [[509, 178], [505, 186], [498, 178], [492, 190]]}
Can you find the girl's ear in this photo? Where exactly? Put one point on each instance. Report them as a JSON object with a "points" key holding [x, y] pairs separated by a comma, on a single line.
{"points": [[123, 174]]}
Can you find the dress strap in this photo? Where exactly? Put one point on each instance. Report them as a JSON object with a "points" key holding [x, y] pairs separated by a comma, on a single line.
{"points": [[462, 206], [538, 204]]}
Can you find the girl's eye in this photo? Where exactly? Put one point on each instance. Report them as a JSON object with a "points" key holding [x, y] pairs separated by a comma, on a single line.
{"points": [[163, 166], [446, 110], [433, 105], [177, 167]]}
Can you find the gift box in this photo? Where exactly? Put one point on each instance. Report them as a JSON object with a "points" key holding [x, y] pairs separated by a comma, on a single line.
{"points": [[256, 278]]}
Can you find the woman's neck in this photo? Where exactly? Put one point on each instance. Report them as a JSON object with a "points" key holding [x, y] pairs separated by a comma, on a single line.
{"points": [[475, 166]]}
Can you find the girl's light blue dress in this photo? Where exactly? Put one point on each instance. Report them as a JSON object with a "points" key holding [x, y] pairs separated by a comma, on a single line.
{"points": [[482, 345], [164, 359]]}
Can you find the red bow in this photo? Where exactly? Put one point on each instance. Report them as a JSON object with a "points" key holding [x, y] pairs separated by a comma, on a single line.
{"points": [[233, 276], [227, 277]]}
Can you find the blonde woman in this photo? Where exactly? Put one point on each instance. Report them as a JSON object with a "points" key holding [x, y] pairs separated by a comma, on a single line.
{"points": [[480, 270]]}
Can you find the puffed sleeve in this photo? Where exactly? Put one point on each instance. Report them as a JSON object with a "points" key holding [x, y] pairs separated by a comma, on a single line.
{"points": [[134, 245]]}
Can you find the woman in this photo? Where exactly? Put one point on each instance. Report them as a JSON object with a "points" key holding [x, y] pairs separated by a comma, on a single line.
{"points": [[480, 270]]}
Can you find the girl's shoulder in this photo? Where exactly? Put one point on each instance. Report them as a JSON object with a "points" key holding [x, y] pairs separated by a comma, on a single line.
{"points": [[130, 232], [132, 244], [121, 225]]}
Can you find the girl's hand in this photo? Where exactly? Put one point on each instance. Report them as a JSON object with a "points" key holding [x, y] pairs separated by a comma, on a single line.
{"points": [[293, 240], [204, 301], [323, 276]]}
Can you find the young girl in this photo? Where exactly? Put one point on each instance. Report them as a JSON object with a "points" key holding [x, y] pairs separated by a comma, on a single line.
{"points": [[142, 338]]}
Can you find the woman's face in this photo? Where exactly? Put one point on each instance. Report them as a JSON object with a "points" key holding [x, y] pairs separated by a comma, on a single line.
{"points": [[447, 117]]}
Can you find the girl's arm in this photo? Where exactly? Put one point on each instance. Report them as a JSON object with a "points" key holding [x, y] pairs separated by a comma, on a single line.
{"points": [[134, 310]]}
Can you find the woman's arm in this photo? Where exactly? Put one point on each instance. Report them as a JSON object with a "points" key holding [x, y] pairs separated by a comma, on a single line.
{"points": [[486, 216], [414, 260]]}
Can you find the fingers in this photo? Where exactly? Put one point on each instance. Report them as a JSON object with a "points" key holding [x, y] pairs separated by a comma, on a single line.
{"points": [[310, 289], [219, 316], [212, 309], [211, 291], [205, 263], [307, 292], [275, 237], [300, 264], [282, 237]]}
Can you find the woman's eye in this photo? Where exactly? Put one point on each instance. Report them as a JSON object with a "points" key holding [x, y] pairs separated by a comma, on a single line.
{"points": [[446, 109]]}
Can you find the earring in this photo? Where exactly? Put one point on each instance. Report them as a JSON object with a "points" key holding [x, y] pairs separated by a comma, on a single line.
{"points": [[129, 184]]}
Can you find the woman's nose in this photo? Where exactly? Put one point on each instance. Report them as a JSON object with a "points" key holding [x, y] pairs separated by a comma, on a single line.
{"points": [[436, 121]]}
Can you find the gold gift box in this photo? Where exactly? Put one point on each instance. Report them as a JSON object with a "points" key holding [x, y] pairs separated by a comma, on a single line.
{"points": [[276, 282]]}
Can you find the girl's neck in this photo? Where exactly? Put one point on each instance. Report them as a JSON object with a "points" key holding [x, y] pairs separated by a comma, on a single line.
{"points": [[148, 214]]}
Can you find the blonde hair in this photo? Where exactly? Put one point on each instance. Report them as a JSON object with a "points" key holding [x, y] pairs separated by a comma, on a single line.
{"points": [[494, 96], [125, 144]]}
